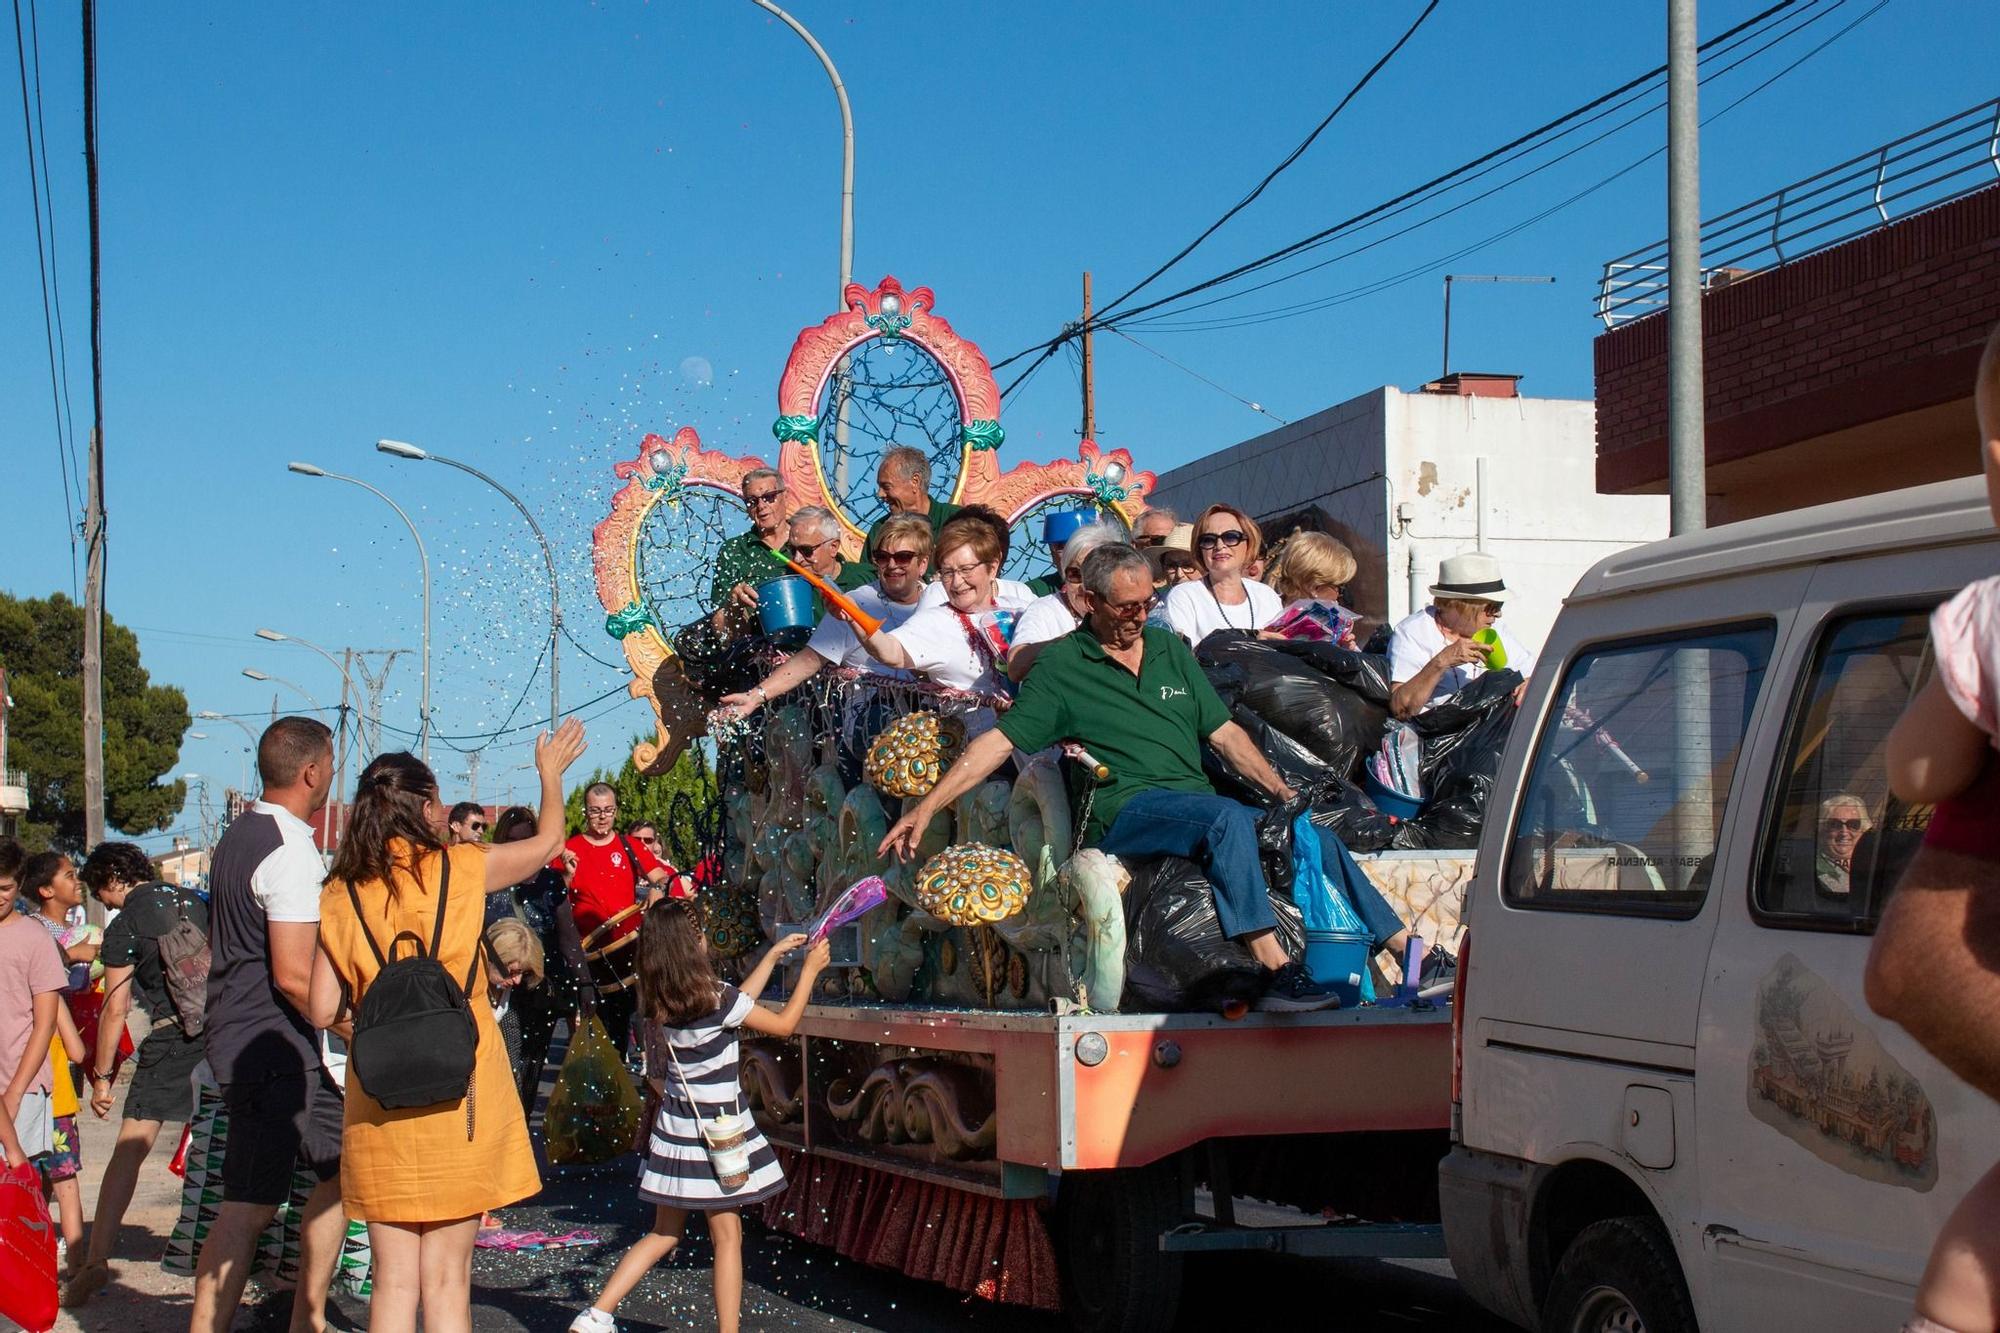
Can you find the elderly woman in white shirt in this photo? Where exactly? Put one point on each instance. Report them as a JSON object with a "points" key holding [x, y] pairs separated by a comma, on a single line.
{"points": [[1050, 618], [1226, 540], [962, 643]]}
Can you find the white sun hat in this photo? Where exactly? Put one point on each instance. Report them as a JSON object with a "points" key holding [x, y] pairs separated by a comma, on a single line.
{"points": [[1472, 577]]}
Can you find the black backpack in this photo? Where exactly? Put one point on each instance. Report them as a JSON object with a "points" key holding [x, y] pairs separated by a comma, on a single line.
{"points": [[415, 1040]]}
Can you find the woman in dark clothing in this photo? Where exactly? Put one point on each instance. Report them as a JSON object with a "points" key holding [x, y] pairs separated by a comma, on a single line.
{"points": [[539, 1009]]}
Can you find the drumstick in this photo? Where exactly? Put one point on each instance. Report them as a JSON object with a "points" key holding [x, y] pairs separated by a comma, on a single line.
{"points": [[837, 599]]}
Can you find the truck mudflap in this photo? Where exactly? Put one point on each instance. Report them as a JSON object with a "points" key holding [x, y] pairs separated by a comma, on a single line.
{"points": [[1485, 1201]]}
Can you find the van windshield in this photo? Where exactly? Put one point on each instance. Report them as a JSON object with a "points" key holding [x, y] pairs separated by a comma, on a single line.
{"points": [[1625, 795]]}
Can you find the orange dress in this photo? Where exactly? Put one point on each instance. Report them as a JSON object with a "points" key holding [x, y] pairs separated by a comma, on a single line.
{"points": [[421, 1165]]}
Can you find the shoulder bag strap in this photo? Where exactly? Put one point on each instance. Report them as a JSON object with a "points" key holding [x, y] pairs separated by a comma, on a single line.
{"points": [[632, 863], [666, 1039], [362, 921], [444, 897]]}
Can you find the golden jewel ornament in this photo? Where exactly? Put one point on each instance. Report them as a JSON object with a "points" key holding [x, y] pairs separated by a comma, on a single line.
{"points": [[912, 753], [972, 884]]}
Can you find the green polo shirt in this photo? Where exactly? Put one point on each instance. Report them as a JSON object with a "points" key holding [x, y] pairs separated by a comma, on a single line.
{"points": [[743, 559], [1147, 729], [940, 511]]}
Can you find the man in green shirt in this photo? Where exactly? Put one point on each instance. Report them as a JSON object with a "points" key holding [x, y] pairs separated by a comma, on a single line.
{"points": [[750, 558], [815, 544], [1136, 699], [903, 482]]}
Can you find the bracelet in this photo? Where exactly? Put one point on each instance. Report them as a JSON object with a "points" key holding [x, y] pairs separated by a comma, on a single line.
{"points": [[96, 1077], [762, 696]]}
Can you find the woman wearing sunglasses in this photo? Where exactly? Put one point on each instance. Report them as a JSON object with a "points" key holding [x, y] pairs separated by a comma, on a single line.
{"points": [[1226, 540], [1842, 821], [901, 553]]}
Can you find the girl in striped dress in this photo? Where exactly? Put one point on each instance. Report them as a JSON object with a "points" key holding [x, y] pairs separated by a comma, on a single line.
{"points": [[691, 1020]]}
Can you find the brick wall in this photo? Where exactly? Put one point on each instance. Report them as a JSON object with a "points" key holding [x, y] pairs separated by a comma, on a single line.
{"points": [[1886, 323]]}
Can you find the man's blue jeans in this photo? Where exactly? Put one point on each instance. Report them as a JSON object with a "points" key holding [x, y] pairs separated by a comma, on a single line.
{"points": [[1216, 833]]}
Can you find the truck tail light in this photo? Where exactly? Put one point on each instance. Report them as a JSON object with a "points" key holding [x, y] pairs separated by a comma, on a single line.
{"points": [[1458, 1022]]}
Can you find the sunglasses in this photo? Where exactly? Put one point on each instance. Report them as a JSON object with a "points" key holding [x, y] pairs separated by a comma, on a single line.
{"points": [[798, 552], [1143, 542], [768, 497], [896, 557], [1232, 538], [476, 827], [1851, 825]]}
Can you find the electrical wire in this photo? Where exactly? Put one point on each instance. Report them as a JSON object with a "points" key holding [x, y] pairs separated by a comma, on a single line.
{"points": [[55, 258], [1278, 170], [1254, 407]]}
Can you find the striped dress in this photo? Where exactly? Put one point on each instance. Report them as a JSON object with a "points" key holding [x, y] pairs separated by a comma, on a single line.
{"points": [[677, 1172]]}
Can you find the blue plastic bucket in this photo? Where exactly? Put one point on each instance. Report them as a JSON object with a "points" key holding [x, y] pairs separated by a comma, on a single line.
{"points": [[1060, 525], [785, 610], [1387, 799], [1339, 959]]}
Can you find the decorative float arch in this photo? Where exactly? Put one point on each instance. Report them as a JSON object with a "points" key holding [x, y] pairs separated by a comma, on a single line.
{"points": [[668, 472]]}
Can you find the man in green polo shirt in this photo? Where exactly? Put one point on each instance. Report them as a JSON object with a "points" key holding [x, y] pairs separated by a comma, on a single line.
{"points": [[753, 557], [815, 544], [903, 482], [1136, 699]]}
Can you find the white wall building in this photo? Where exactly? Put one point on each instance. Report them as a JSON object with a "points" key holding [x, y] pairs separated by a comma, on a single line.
{"points": [[1406, 479]]}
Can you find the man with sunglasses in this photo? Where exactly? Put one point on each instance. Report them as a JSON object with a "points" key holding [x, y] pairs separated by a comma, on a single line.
{"points": [[1155, 526], [1134, 696], [750, 558], [815, 544], [901, 552], [467, 822]]}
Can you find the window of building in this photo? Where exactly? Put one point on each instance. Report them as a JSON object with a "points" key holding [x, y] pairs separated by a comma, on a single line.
{"points": [[1834, 840], [1625, 795]]}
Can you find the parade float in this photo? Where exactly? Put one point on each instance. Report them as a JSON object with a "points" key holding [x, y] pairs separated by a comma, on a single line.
{"points": [[975, 1097]]}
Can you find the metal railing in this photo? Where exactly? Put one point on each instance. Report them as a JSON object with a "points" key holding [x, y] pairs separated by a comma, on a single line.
{"points": [[1933, 166]]}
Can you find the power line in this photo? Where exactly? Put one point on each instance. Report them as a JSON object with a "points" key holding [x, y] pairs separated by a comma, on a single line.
{"points": [[63, 449], [49, 206], [1254, 407], [1278, 170]]}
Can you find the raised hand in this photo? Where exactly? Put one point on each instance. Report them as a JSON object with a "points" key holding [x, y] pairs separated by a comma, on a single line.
{"points": [[556, 751]]}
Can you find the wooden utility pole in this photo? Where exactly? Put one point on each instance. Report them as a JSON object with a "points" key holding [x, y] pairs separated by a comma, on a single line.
{"points": [[1089, 368], [93, 528]]}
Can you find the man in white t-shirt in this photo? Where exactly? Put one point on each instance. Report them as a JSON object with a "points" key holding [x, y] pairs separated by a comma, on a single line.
{"points": [[901, 553], [1434, 654]]}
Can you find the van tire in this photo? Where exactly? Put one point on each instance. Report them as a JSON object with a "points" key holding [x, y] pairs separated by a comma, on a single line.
{"points": [[1115, 1277], [1616, 1272]]}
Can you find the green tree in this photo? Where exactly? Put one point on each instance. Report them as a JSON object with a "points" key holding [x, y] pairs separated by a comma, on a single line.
{"points": [[41, 646], [667, 801]]}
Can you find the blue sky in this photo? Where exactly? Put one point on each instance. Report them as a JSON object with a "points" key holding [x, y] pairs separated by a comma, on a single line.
{"points": [[509, 232]]}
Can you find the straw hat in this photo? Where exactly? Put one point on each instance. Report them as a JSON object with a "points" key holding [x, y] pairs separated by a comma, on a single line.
{"points": [[1181, 538], [1472, 577]]}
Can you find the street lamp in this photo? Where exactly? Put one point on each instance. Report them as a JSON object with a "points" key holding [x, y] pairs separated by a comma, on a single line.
{"points": [[424, 558], [846, 215], [254, 674], [400, 449]]}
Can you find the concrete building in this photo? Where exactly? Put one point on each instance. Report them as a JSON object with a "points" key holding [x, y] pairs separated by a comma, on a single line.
{"points": [[1842, 319], [1406, 479]]}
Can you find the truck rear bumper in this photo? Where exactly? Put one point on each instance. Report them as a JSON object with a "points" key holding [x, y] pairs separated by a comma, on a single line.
{"points": [[1486, 1201]]}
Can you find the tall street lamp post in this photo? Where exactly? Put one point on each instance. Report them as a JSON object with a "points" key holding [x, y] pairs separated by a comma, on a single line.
{"points": [[423, 558], [400, 449], [254, 674]]}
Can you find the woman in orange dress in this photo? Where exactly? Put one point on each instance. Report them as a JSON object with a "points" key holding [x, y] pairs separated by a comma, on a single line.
{"points": [[421, 1177]]}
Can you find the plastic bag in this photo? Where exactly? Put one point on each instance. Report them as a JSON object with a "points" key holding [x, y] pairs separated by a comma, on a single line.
{"points": [[1302, 689], [1299, 767], [1176, 956], [1346, 812], [594, 1113], [1463, 740], [27, 1251]]}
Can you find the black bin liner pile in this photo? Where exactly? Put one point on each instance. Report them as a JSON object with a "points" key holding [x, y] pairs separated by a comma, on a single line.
{"points": [[1177, 958]]}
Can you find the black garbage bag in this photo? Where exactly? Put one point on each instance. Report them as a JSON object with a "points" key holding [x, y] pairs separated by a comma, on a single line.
{"points": [[1301, 769], [1176, 956], [1304, 690], [1346, 812], [1463, 738]]}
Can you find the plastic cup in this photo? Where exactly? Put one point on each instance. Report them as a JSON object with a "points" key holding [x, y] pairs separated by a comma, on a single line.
{"points": [[728, 1153], [1496, 655]]}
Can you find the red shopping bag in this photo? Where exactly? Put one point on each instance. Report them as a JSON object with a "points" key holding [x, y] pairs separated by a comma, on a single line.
{"points": [[27, 1251]]}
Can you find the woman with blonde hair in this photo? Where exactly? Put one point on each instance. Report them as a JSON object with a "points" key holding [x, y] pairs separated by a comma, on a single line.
{"points": [[1314, 567], [1226, 540], [420, 1176]]}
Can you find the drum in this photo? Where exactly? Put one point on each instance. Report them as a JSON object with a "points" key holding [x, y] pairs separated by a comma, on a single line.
{"points": [[611, 952]]}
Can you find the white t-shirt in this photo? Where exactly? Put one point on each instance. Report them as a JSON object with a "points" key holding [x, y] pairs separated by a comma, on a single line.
{"points": [[940, 651], [1003, 589], [1195, 614], [287, 882], [1417, 639], [1046, 619], [834, 640]]}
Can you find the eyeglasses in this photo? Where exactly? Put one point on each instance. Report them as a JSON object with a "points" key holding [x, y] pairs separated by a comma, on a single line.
{"points": [[1142, 542], [896, 557], [1129, 610], [605, 811], [798, 552], [767, 497], [1233, 538], [961, 572], [1851, 825]]}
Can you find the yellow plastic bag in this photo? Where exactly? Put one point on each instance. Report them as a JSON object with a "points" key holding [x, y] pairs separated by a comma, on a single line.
{"points": [[594, 1113]]}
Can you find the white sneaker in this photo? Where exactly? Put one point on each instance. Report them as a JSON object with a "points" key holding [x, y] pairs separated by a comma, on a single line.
{"points": [[593, 1320]]}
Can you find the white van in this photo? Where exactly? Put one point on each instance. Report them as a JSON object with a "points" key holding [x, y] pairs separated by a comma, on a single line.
{"points": [[1673, 1107]]}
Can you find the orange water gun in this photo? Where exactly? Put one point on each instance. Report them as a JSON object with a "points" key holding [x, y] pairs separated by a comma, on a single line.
{"points": [[863, 623]]}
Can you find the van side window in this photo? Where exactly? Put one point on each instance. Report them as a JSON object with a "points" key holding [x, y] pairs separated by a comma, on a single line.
{"points": [[1625, 795], [1834, 840]]}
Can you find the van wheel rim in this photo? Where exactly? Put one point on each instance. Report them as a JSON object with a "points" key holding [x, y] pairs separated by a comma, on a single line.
{"points": [[1606, 1310]]}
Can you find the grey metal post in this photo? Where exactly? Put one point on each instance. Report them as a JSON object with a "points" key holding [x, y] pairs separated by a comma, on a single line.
{"points": [[1687, 462]]}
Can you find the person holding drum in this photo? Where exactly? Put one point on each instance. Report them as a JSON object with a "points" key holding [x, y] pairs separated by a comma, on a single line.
{"points": [[610, 879]]}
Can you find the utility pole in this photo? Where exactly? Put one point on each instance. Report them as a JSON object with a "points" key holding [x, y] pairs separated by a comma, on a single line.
{"points": [[1089, 368], [472, 774], [1687, 458], [93, 526]]}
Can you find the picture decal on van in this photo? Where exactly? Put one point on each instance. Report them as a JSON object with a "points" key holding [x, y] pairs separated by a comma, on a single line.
{"points": [[1819, 1077]]}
